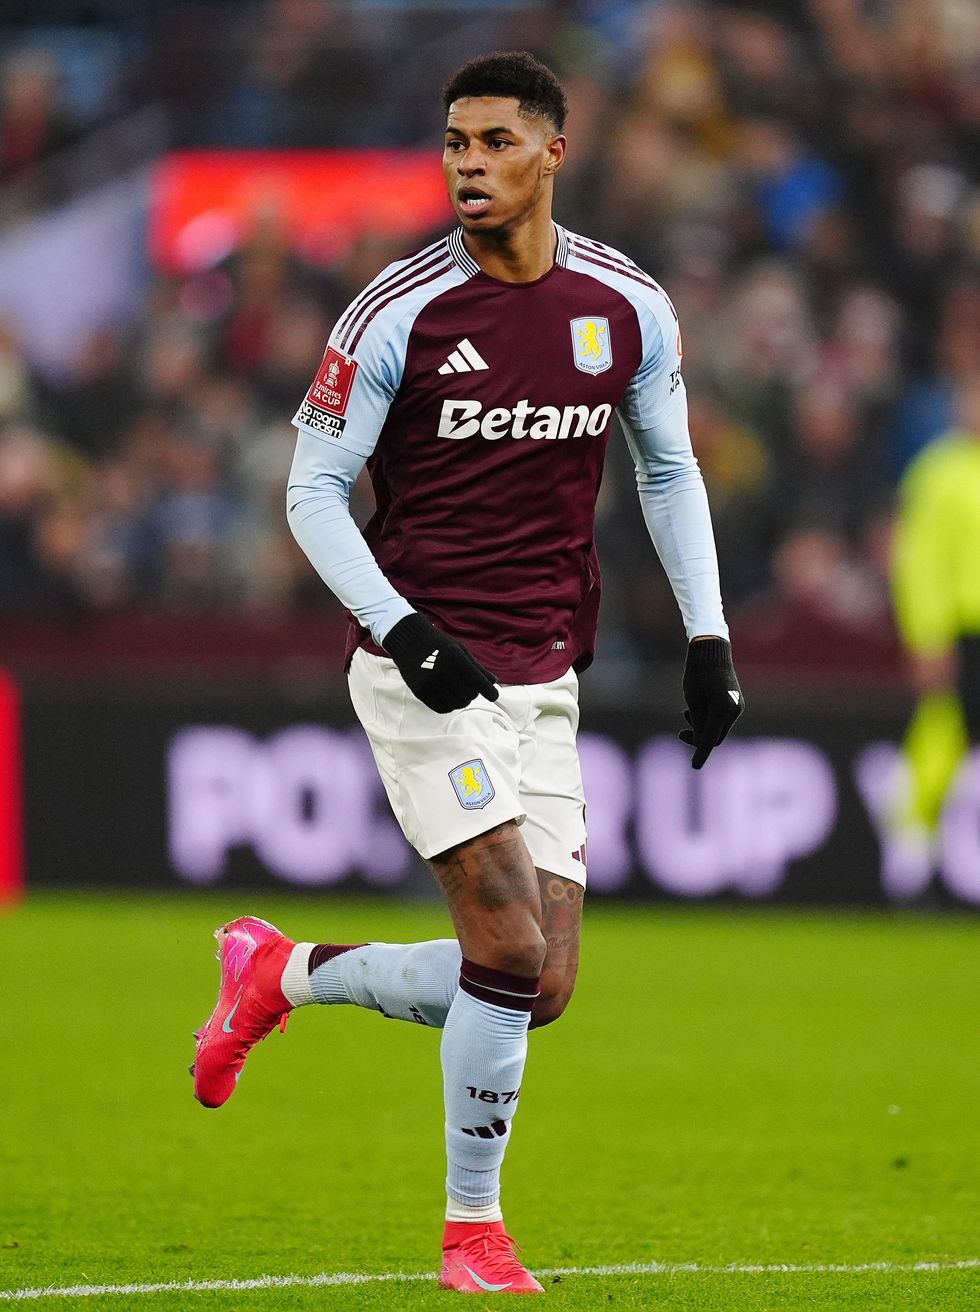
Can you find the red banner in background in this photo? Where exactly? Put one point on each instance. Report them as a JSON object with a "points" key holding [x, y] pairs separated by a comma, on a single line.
{"points": [[203, 203], [11, 797]]}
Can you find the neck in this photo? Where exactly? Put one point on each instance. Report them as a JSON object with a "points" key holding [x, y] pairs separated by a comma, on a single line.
{"points": [[520, 252]]}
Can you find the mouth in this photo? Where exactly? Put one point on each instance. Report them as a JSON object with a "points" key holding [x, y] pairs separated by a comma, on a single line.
{"points": [[472, 201]]}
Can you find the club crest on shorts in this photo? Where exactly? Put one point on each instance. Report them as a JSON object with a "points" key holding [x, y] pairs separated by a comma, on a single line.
{"points": [[591, 345], [472, 785]]}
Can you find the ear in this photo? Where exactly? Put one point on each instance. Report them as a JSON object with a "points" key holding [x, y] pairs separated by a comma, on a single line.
{"points": [[555, 148]]}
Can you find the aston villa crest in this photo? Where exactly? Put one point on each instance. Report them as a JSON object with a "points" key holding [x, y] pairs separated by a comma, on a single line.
{"points": [[591, 345], [472, 784]]}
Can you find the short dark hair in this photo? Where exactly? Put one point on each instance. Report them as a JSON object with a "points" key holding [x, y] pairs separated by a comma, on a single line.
{"points": [[511, 74]]}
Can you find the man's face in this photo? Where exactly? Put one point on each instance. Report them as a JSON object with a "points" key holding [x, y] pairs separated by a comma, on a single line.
{"points": [[497, 164]]}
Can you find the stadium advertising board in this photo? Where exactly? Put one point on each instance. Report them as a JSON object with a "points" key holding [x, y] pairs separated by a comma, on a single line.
{"points": [[146, 792]]}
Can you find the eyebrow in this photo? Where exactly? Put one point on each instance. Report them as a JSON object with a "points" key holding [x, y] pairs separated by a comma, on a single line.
{"points": [[487, 132]]}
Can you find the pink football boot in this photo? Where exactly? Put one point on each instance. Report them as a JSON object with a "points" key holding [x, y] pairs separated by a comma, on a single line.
{"points": [[253, 955], [478, 1258]]}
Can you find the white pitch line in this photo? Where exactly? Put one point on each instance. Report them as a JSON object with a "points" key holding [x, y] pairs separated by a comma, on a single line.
{"points": [[624, 1269]]}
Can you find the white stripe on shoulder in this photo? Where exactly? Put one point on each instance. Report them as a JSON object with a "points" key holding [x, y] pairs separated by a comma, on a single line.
{"points": [[600, 260], [395, 290], [590, 243], [379, 338], [386, 278]]}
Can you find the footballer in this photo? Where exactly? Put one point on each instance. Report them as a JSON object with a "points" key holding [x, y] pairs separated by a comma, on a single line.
{"points": [[477, 381]]}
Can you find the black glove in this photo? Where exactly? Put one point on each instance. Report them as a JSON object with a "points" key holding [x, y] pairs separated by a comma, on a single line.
{"points": [[438, 669], [713, 696]]}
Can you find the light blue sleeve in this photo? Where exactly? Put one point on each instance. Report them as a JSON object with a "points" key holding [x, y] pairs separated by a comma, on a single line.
{"points": [[340, 420], [338, 425], [318, 510], [672, 494], [353, 408], [658, 379]]}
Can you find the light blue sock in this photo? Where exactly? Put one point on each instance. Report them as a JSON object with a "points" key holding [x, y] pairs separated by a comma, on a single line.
{"points": [[484, 1047], [406, 981]]}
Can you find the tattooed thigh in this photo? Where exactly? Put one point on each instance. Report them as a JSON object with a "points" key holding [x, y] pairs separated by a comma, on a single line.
{"points": [[492, 870]]}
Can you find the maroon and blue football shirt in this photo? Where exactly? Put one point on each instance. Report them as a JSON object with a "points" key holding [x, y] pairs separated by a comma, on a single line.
{"points": [[482, 409]]}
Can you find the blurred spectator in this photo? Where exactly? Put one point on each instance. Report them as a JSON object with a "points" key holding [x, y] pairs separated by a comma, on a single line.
{"points": [[193, 522], [818, 577], [925, 408], [793, 187], [17, 398], [33, 472], [33, 122], [739, 477], [102, 396], [829, 477]]}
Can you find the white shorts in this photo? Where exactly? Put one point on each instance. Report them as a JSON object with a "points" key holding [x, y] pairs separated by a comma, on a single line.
{"points": [[452, 777]]}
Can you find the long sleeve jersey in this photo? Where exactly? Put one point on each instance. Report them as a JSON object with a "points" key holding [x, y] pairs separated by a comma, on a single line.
{"points": [[482, 410]]}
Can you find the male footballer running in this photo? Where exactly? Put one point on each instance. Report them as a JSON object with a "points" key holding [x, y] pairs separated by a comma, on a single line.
{"points": [[477, 380]]}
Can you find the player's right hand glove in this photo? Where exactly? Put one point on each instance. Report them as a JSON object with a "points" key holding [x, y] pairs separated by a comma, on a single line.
{"points": [[713, 697], [438, 669]]}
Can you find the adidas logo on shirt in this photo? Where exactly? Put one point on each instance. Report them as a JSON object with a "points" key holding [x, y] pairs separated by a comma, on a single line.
{"points": [[464, 359], [430, 661]]}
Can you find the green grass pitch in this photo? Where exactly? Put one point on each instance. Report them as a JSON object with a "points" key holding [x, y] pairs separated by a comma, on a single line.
{"points": [[727, 1087]]}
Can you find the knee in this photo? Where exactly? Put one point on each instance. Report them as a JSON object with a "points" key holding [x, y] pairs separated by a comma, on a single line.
{"points": [[550, 1004], [520, 953], [510, 942]]}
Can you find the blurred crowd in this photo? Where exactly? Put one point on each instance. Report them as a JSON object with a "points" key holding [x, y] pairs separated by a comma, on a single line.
{"points": [[803, 178]]}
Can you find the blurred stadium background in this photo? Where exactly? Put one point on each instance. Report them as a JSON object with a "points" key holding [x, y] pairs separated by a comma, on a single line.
{"points": [[191, 191]]}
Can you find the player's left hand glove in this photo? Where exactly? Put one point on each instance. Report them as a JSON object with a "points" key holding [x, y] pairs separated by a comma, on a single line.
{"points": [[713, 697], [438, 669]]}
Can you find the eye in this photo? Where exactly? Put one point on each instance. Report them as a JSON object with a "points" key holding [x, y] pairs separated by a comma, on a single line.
{"points": [[454, 146], [498, 141]]}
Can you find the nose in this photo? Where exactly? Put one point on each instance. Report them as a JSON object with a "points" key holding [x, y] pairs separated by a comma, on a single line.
{"points": [[471, 161]]}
